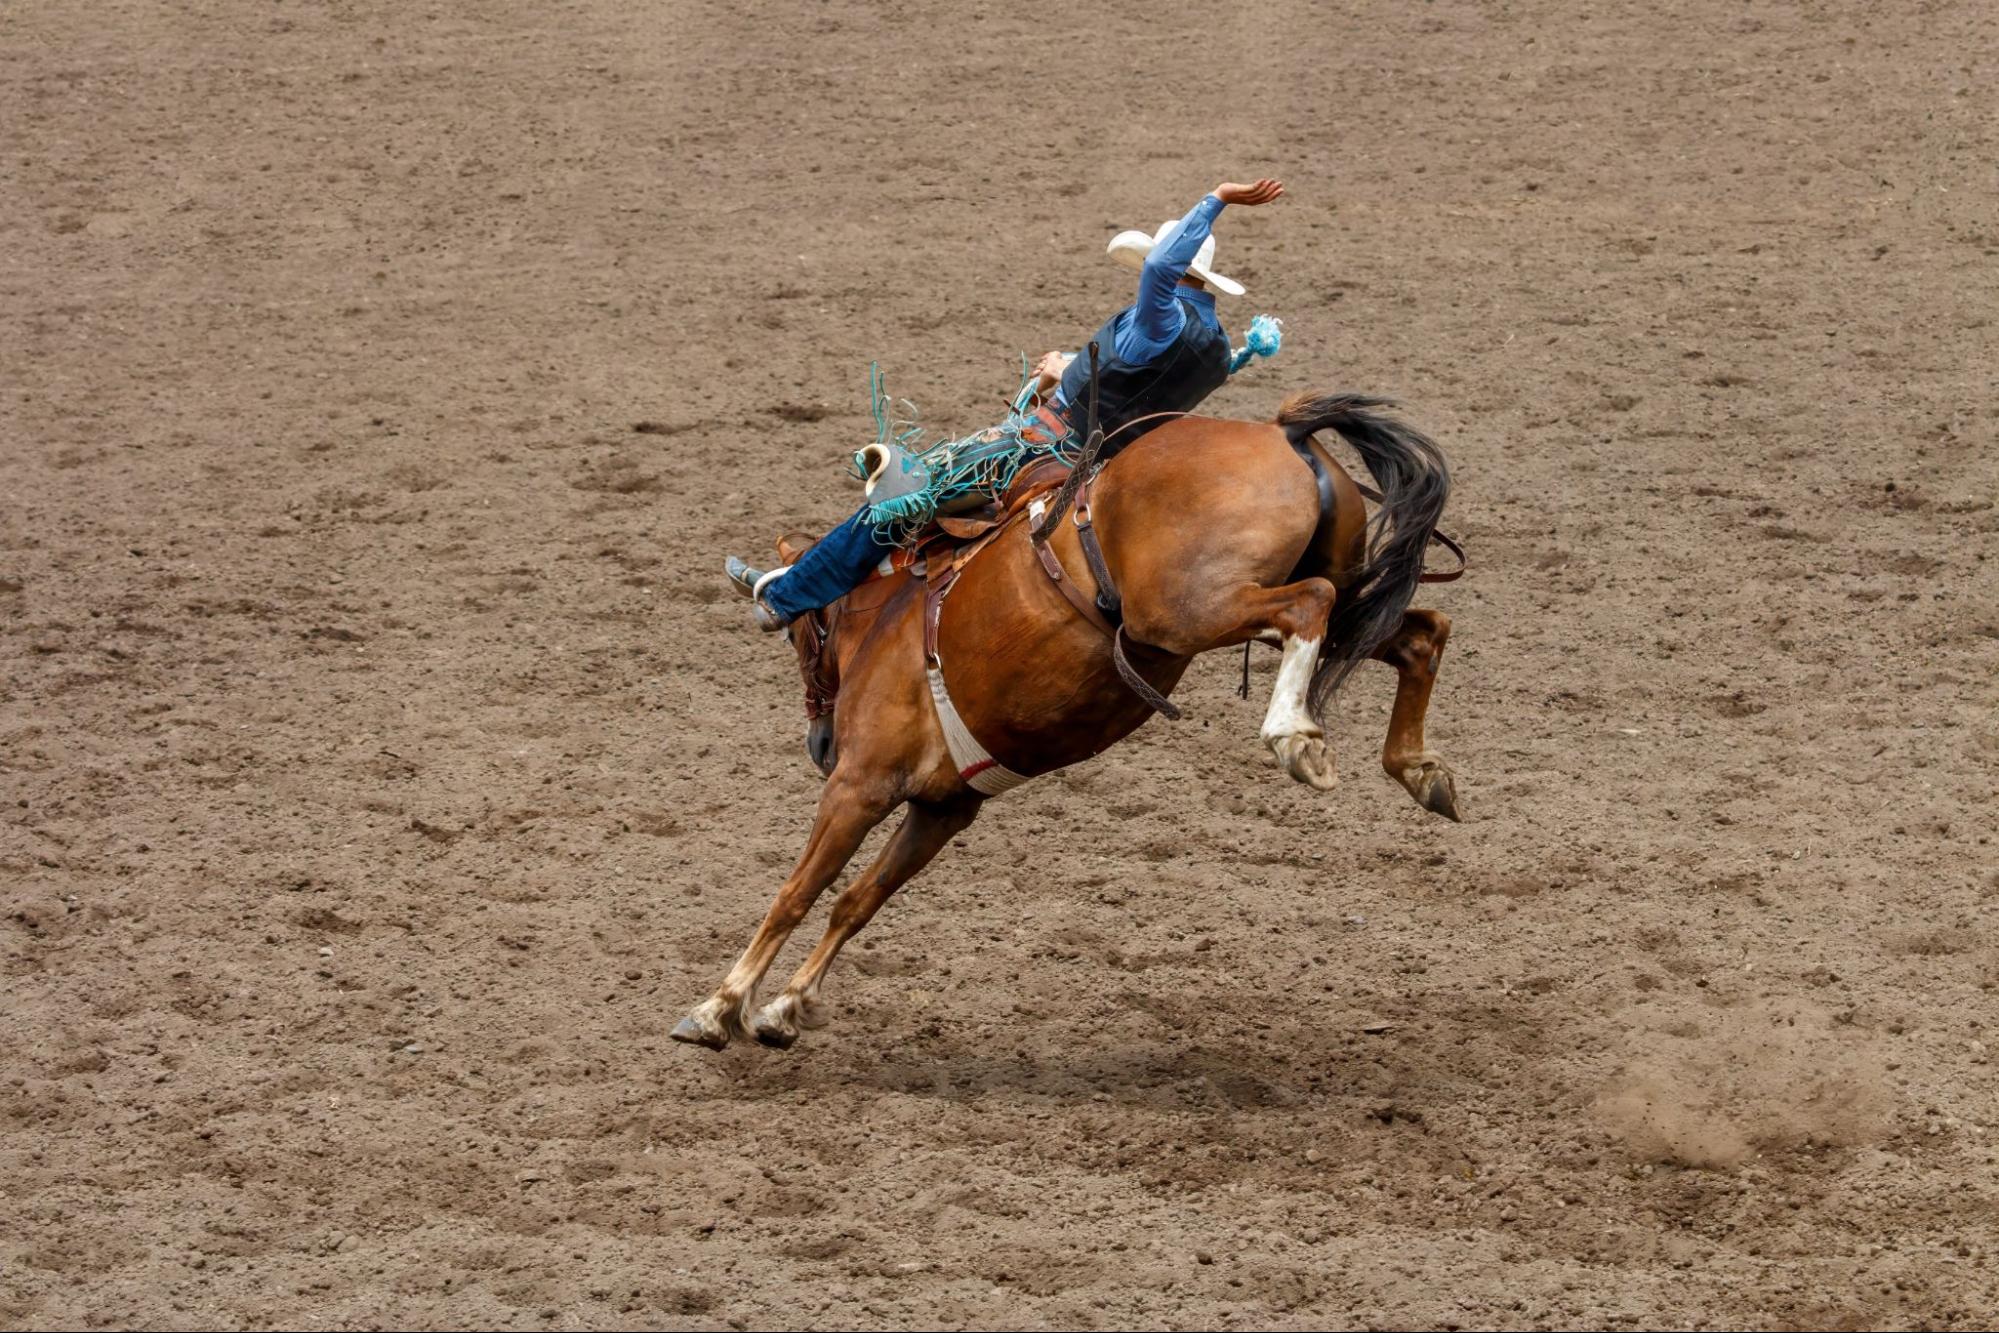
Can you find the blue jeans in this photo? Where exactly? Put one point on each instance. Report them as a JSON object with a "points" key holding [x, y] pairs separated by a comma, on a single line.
{"points": [[829, 571]]}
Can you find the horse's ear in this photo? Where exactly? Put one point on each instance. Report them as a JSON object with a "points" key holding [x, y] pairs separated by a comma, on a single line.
{"points": [[793, 545]]}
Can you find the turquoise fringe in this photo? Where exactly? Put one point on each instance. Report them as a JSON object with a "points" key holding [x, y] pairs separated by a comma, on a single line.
{"points": [[962, 473]]}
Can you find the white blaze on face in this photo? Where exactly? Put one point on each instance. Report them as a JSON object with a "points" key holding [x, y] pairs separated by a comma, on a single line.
{"points": [[1288, 715]]}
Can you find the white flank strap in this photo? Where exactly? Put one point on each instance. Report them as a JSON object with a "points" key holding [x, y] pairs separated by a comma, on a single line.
{"points": [[980, 770]]}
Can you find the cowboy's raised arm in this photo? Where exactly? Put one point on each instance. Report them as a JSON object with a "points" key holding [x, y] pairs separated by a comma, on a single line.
{"points": [[1156, 316]]}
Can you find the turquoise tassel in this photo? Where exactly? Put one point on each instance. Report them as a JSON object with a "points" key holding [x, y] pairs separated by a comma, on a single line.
{"points": [[1265, 338]]}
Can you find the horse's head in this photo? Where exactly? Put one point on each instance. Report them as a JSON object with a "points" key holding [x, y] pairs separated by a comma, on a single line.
{"points": [[811, 638]]}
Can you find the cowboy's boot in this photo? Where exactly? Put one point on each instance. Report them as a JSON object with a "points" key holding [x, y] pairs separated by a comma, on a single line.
{"points": [[743, 576], [748, 580]]}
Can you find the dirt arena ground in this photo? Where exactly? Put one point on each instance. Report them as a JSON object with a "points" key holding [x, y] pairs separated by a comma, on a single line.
{"points": [[385, 770]]}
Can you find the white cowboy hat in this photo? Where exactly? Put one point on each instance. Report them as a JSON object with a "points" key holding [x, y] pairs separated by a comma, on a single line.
{"points": [[1131, 247]]}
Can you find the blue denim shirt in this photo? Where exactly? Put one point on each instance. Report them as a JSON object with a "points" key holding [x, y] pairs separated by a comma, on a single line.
{"points": [[1149, 325]]}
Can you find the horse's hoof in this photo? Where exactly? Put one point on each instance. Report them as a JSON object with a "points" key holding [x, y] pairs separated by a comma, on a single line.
{"points": [[696, 1032], [775, 1024], [1435, 788], [1308, 759], [775, 1037]]}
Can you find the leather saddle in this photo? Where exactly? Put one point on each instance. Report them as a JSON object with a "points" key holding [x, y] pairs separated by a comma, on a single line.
{"points": [[1036, 479]]}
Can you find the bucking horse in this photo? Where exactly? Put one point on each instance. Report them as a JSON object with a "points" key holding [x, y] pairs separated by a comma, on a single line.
{"points": [[1063, 626]]}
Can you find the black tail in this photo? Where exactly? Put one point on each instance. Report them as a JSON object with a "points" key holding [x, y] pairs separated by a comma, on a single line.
{"points": [[1415, 481]]}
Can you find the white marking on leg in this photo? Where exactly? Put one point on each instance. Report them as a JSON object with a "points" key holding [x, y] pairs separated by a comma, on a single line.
{"points": [[708, 1011], [780, 1015], [717, 1015], [1289, 715], [740, 986]]}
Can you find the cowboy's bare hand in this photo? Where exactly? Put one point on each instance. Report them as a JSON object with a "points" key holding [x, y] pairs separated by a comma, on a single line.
{"points": [[1263, 192], [1048, 370]]}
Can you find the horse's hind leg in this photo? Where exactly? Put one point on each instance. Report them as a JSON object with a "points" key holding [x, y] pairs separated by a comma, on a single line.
{"points": [[847, 810], [923, 832], [1297, 614], [1415, 651], [1289, 728]]}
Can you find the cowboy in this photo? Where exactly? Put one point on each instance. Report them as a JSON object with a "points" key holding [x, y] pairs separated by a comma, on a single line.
{"points": [[1164, 352]]}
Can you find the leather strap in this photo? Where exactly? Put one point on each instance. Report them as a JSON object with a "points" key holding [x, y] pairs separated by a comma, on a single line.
{"points": [[1112, 606], [1124, 426], [942, 573], [1107, 611], [1324, 479], [1051, 565], [1108, 600], [1449, 575], [1138, 684]]}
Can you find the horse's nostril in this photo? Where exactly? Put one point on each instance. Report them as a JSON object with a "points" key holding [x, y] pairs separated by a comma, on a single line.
{"points": [[819, 744]]}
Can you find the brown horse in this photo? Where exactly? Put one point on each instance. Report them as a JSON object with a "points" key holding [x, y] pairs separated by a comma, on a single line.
{"points": [[1214, 532]]}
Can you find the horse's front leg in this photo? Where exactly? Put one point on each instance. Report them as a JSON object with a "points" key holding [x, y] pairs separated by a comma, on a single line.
{"points": [[1415, 650], [923, 832], [847, 810]]}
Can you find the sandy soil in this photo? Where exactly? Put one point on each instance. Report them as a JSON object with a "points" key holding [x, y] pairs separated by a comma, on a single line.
{"points": [[384, 768]]}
